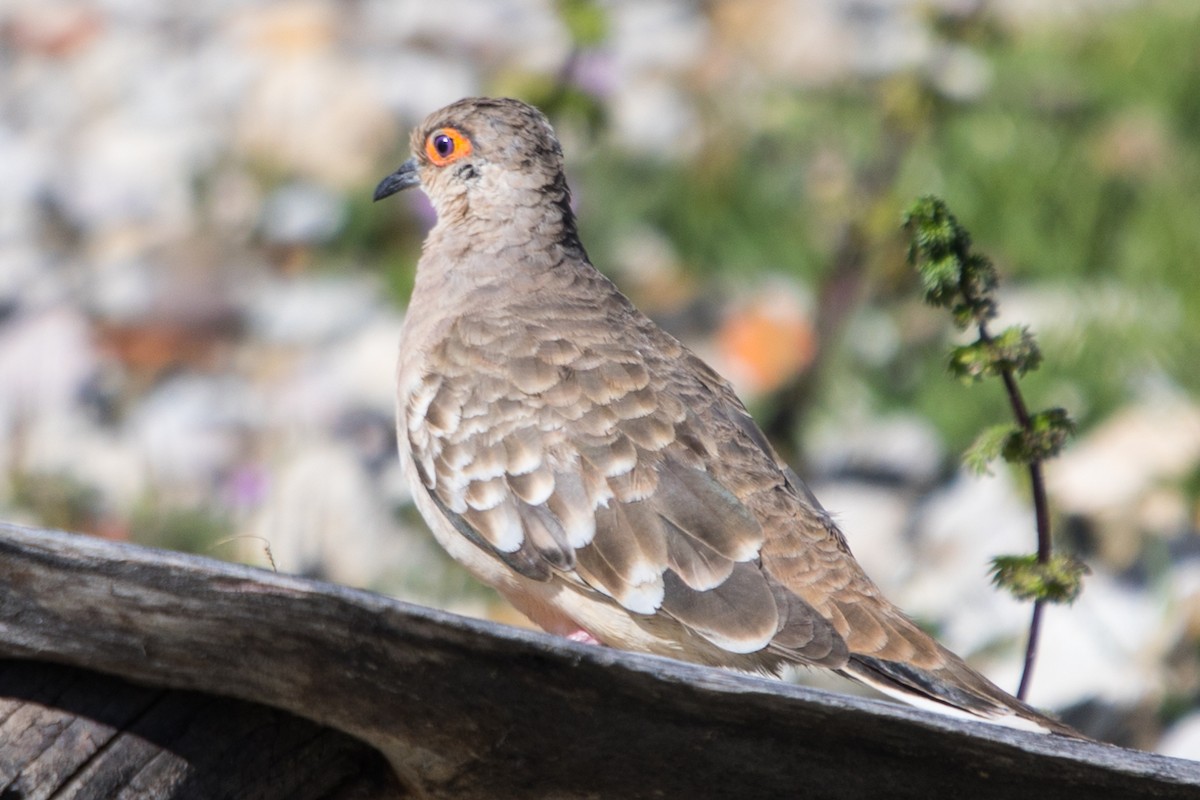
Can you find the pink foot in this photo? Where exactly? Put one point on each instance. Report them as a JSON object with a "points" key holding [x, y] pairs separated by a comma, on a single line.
{"points": [[582, 636]]}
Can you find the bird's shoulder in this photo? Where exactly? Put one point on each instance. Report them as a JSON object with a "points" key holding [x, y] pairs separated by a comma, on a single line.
{"points": [[584, 367]]}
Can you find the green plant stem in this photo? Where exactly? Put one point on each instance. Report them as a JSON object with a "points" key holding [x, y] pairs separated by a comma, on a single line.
{"points": [[1035, 631], [1041, 509], [1036, 436]]}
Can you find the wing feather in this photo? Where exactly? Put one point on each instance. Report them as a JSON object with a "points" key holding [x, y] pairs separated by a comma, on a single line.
{"points": [[593, 468]]}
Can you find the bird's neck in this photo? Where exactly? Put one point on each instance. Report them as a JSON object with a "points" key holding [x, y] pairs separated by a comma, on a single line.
{"points": [[472, 262]]}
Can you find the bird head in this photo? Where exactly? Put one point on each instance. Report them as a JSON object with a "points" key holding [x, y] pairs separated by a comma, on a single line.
{"points": [[483, 158]]}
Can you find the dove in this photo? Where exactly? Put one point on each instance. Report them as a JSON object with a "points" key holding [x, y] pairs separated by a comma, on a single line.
{"points": [[602, 477]]}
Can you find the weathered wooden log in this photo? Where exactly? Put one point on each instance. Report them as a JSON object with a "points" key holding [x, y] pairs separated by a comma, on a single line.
{"points": [[467, 709], [66, 732]]}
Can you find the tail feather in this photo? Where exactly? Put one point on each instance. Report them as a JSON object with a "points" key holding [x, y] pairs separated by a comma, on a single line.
{"points": [[953, 687]]}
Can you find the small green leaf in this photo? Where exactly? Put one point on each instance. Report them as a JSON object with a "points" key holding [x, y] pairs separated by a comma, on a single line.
{"points": [[1059, 580], [979, 275], [970, 362], [935, 232], [1048, 433], [952, 276], [1015, 349], [972, 310], [987, 447], [940, 278]]}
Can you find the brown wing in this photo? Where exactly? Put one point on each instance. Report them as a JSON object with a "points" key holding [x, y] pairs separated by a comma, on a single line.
{"points": [[600, 462], [630, 469]]}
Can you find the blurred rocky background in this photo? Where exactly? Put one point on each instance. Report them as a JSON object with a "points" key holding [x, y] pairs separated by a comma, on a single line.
{"points": [[199, 304]]}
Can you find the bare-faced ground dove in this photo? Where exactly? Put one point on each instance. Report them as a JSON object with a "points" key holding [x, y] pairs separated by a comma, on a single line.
{"points": [[596, 472]]}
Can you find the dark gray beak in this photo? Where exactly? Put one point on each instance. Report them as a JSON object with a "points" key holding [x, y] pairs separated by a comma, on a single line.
{"points": [[399, 180]]}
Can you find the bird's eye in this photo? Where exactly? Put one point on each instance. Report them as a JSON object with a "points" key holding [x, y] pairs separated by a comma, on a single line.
{"points": [[446, 145]]}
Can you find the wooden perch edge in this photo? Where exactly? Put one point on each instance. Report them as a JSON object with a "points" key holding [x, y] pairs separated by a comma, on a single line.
{"points": [[469, 709], [70, 734]]}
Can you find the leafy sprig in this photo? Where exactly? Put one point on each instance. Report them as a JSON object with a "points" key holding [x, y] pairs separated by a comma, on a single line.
{"points": [[963, 281]]}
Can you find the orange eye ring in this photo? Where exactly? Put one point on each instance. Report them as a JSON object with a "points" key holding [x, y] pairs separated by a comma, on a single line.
{"points": [[446, 145]]}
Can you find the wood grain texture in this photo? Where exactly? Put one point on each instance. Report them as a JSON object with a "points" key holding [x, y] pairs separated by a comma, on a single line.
{"points": [[70, 734], [467, 709]]}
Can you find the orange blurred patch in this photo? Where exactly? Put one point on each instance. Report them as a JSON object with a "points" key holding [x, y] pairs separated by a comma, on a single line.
{"points": [[765, 344], [54, 31], [150, 347]]}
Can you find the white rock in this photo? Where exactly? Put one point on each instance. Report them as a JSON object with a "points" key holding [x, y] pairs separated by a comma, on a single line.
{"points": [[1110, 643], [119, 173], [313, 388], [413, 84], [957, 533], [323, 515], [1105, 473], [189, 430], [67, 443], [874, 337], [363, 362], [959, 72], [302, 213], [888, 35], [23, 166], [1107, 644], [309, 310], [654, 118], [307, 110], [32, 277], [653, 36], [45, 358], [815, 42], [1182, 740], [526, 33], [902, 445]]}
